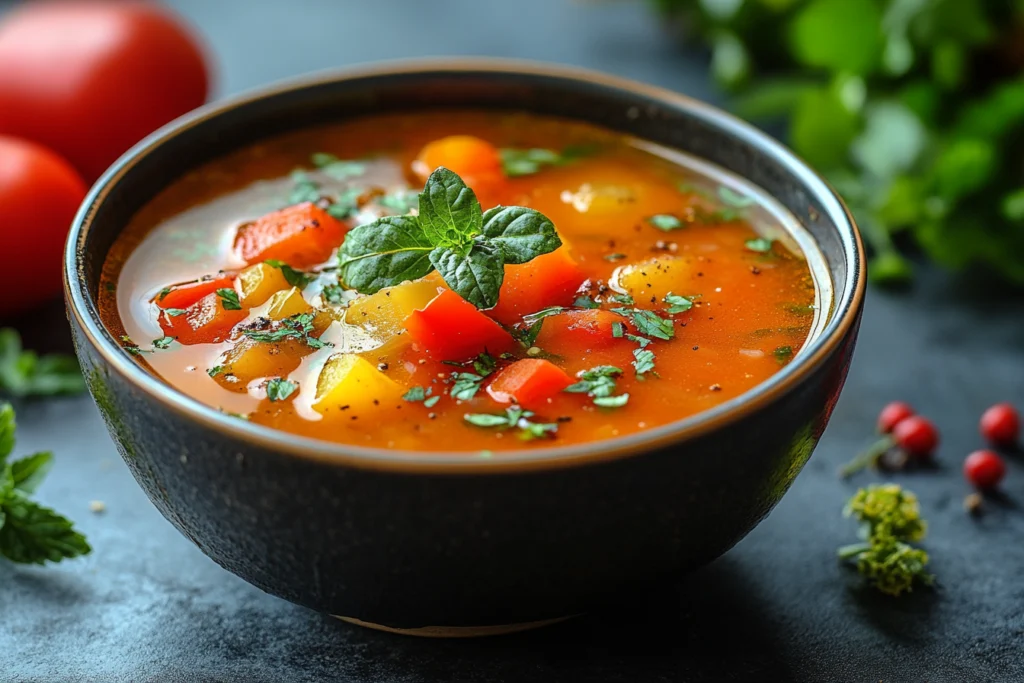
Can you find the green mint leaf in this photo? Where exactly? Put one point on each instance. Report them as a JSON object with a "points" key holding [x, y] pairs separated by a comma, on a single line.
{"points": [[643, 361], [28, 472], [475, 276], [279, 389], [677, 304], [229, 299], [7, 428], [665, 222], [431, 402], [384, 253], [450, 215], [163, 343], [339, 169], [305, 189], [33, 534], [648, 323], [415, 394], [521, 234], [295, 278], [759, 244], [24, 373], [612, 401]]}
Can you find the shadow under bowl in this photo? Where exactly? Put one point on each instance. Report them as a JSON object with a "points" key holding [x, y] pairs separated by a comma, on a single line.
{"points": [[440, 543]]}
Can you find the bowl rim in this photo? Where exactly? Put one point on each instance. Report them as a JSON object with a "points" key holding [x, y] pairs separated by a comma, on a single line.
{"points": [[82, 304]]}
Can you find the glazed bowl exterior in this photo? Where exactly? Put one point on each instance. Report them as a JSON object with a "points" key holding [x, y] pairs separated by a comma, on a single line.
{"points": [[412, 540]]}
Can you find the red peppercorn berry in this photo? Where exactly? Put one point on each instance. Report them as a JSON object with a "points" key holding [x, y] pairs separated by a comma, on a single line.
{"points": [[1000, 424], [917, 436], [892, 414], [984, 469]]}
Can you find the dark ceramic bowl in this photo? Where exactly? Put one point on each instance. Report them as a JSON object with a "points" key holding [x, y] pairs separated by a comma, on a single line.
{"points": [[441, 542]]}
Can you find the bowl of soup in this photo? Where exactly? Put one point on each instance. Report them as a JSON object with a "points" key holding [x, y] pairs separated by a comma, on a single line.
{"points": [[462, 347]]}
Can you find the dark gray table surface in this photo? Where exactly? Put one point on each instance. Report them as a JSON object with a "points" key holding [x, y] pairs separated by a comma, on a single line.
{"points": [[148, 606]]}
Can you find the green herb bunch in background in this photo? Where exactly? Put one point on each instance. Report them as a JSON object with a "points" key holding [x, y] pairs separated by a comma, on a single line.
{"points": [[913, 109]]}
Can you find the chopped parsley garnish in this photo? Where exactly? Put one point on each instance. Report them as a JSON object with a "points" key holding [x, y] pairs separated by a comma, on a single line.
{"points": [[174, 312], [534, 323], [339, 169], [29, 532], [345, 204], [665, 222], [415, 394], [131, 347], [163, 343], [618, 330], [279, 389], [611, 401], [162, 294], [783, 354], [761, 245], [215, 370], [431, 402], [734, 198], [599, 383], [517, 418], [451, 234], [24, 373], [400, 201], [622, 299], [800, 309], [293, 277], [333, 294], [677, 304], [229, 299], [299, 327], [466, 384], [585, 302], [304, 189], [643, 361], [648, 323], [518, 162]]}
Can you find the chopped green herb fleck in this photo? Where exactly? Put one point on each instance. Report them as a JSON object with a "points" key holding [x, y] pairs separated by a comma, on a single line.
{"points": [[783, 354], [514, 417], [174, 312], [761, 245], [298, 327], [431, 402], [293, 277], [611, 401], [734, 198], [339, 169], [643, 361], [215, 370], [334, 294], [618, 330], [163, 342], [665, 222], [585, 302], [305, 189], [648, 323], [279, 389], [415, 394], [677, 304], [229, 299], [614, 257]]}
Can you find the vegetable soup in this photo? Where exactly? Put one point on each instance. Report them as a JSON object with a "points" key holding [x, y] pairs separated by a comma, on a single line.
{"points": [[462, 281]]}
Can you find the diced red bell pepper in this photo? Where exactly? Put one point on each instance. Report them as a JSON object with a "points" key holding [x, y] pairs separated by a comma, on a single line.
{"points": [[586, 329], [183, 296], [302, 235], [529, 382], [548, 280], [204, 322], [451, 328]]}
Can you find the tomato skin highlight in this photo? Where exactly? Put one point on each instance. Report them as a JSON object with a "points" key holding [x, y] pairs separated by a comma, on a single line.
{"points": [[892, 414], [529, 382], [1000, 424], [984, 469], [302, 235], [917, 436], [39, 195], [204, 322], [451, 328], [185, 295], [90, 78], [548, 280]]}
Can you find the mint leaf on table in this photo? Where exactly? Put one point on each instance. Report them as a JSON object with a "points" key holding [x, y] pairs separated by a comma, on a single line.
{"points": [[450, 234], [29, 532], [24, 373]]}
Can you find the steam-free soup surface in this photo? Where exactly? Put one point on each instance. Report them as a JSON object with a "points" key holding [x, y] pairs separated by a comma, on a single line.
{"points": [[671, 292]]}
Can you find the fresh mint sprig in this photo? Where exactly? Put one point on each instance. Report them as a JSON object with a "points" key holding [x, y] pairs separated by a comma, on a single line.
{"points": [[451, 234], [24, 373]]}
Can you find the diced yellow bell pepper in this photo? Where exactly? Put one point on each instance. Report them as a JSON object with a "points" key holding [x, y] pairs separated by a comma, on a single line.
{"points": [[351, 385], [656, 278], [384, 313], [259, 283], [286, 304], [249, 360]]}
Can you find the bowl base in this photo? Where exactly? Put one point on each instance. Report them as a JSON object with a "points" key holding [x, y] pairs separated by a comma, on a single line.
{"points": [[457, 631]]}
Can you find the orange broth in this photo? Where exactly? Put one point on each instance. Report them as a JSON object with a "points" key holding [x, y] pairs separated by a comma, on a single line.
{"points": [[751, 311]]}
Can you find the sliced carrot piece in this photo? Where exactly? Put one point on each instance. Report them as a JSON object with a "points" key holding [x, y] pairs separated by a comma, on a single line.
{"points": [[183, 296], [476, 161], [451, 328], [204, 322], [529, 382], [302, 235], [548, 280]]}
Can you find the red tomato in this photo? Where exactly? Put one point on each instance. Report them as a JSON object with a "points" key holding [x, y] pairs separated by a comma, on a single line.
{"points": [[39, 195], [89, 79]]}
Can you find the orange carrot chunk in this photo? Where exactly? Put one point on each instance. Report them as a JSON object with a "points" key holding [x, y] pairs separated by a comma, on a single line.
{"points": [[183, 296], [548, 280], [451, 328], [529, 382], [476, 161], [204, 322], [302, 235]]}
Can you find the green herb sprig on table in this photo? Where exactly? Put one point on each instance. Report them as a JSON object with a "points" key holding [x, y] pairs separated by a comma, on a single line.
{"points": [[890, 519], [24, 373], [452, 234], [29, 532], [912, 109]]}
